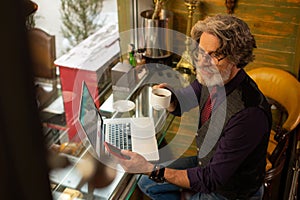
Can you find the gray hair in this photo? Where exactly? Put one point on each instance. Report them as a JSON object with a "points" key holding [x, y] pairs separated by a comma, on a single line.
{"points": [[236, 40]]}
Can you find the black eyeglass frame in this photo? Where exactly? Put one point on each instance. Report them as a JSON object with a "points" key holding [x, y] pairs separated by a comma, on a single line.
{"points": [[213, 55]]}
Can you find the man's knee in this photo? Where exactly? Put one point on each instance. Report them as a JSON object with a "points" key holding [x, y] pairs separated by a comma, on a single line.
{"points": [[145, 183]]}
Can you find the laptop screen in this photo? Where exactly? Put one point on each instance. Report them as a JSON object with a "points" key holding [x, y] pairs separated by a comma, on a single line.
{"points": [[88, 116]]}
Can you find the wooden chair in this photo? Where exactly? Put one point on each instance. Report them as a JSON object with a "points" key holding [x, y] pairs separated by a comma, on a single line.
{"points": [[43, 53], [283, 91]]}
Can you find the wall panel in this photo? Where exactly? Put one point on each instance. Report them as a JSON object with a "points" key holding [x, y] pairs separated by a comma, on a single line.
{"points": [[274, 23]]}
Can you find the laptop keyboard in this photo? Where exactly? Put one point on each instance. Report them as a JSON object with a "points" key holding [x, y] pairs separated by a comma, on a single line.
{"points": [[119, 135]]}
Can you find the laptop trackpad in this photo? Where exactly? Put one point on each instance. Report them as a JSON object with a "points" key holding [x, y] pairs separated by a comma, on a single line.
{"points": [[146, 147], [143, 128]]}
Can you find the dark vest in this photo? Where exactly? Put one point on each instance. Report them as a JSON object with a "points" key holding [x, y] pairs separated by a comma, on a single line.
{"points": [[250, 175]]}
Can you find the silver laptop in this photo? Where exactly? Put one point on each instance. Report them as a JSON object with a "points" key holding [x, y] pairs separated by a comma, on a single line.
{"points": [[135, 134]]}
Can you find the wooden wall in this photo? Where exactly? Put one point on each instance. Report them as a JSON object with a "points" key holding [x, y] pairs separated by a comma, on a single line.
{"points": [[274, 23]]}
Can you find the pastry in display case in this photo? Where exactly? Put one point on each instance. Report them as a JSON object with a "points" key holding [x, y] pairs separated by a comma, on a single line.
{"points": [[76, 173]]}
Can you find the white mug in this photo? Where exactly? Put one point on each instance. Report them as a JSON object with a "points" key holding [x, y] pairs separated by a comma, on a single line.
{"points": [[160, 98]]}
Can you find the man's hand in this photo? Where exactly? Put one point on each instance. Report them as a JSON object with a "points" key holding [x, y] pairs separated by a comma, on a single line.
{"points": [[161, 85], [137, 164]]}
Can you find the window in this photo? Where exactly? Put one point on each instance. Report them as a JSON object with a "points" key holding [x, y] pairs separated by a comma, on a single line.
{"points": [[50, 16]]}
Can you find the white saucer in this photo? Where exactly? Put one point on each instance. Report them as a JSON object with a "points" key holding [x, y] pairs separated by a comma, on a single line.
{"points": [[123, 105]]}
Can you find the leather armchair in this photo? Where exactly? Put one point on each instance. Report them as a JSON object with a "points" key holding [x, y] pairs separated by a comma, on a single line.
{"points": [[283, 91]]}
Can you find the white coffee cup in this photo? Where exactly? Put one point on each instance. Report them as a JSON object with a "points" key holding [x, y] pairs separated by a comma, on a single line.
{"points": [[160, 98]]}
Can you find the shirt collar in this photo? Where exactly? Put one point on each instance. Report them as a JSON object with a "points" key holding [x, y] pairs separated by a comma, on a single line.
{"points": [[235, 82], [230, 86]]}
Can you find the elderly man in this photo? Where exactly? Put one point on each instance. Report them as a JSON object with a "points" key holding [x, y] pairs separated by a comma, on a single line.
{"points": [[231, 163]]}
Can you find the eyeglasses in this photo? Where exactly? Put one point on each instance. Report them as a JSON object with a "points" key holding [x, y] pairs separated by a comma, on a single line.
{"points": [[199, 55]]}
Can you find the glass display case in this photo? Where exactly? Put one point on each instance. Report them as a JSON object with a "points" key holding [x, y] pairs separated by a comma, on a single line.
{"points": [[69, 180]]}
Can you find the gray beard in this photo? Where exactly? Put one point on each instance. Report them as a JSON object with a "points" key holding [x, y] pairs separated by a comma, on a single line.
{"points": [[216, 79]]}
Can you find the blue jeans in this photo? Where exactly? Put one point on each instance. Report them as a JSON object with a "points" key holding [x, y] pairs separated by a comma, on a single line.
{"points": [[167, 191]]}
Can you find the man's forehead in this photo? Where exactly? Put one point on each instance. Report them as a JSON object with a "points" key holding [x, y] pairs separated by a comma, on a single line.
{"points": [[208, 42]]}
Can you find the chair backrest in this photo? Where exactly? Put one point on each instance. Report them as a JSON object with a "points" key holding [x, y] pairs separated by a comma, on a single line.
{"points": [[282, 87], [43, 53]]}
